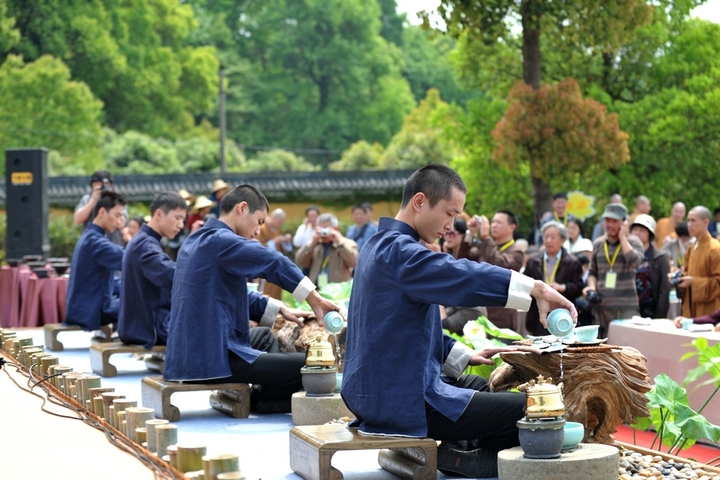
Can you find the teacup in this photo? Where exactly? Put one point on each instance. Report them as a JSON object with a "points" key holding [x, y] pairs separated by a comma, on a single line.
{"points": [[686, 323], [587, 333], [252, 287], [560, 323]]}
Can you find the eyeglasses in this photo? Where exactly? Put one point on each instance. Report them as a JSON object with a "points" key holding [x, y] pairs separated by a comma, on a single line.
{"points": [[451, 233]]}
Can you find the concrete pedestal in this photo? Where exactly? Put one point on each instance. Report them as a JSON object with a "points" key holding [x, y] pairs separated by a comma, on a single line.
{"points": [[588, 460], [317, 410]]}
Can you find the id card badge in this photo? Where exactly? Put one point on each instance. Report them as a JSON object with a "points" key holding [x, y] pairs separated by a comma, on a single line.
{"points": [[322, 280], [610, 279]]}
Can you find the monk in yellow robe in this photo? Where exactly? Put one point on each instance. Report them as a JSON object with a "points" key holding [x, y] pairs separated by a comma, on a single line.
{"points": [[701, 267], [271, 236]]}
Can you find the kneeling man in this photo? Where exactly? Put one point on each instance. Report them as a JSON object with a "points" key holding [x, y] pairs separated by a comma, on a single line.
{"points": [[209, 337], [91, 302]]}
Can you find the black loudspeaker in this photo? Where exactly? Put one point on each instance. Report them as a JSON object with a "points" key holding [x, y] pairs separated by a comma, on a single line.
{"points": [[26, 188]]}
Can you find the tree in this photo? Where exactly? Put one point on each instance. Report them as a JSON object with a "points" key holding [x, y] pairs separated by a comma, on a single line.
{"points": [[558, 133], [428, 64], [360, 156], [131, 54], [320, 76], [598, 25], [42, 106], [419, 142]]}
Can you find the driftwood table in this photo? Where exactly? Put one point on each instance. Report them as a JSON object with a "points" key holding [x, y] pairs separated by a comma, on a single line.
{"points": [[603, 386]]}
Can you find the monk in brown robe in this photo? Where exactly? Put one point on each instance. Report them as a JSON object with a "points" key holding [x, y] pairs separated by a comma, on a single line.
{"points": [[701, 268]]}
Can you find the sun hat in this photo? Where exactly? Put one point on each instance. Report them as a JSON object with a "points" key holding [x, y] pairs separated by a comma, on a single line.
{"points": [[202, 202], [646, 221], [219, 184]]}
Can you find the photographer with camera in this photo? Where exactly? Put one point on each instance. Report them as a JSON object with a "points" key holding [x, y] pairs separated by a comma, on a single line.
{"points": [[330, 256], [615, 259], [100, 181]]}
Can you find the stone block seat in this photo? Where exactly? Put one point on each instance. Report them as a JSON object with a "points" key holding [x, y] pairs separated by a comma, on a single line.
{"points": [[52, 330], [312, 448], [232, 399], [100, 355]]}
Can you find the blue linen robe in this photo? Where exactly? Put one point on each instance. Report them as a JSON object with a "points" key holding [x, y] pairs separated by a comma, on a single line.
{"points": [[90, 289], [396, 349], [145, 290], [209, 315]]}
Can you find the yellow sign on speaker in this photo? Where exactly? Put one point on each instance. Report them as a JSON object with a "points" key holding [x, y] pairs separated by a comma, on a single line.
{"points": [[21, 178]]}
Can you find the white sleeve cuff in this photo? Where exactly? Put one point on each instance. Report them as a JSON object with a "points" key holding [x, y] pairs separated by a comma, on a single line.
{"points": [[519, 292], [303, 289], [271, 311], [457, 360]]}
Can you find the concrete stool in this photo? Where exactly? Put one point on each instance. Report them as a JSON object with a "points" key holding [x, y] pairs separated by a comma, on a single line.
{"points": [[312, 448], [317, 410], [232, 399], [51, 331], [100, 356], [599, 462]]}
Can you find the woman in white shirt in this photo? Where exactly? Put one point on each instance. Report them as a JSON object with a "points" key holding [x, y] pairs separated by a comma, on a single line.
{"points": [[575, 242]]}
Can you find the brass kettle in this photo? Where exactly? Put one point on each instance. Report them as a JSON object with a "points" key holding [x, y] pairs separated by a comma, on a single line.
{"points": [[543, 399], [320, 353]]}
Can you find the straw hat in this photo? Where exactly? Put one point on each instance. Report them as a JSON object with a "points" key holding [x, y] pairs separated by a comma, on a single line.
{"points": [[219, 184], [202, 202], [187, 196]]}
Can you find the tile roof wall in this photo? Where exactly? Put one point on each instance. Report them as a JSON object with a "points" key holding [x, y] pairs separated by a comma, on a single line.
{"points": [[286, 187]]}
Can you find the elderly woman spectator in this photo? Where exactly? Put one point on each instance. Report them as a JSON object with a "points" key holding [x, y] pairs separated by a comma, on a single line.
{"points": [[675, 248], [651, 279], [556, 267]]}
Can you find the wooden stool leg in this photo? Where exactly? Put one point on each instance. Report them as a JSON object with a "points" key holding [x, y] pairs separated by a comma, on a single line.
{"points": [[51, 341], [311, 463], [158, 398], [410, 463]]}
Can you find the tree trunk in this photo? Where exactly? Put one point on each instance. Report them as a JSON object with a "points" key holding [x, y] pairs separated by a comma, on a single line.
{"points": [[542, 198], [532, 72], [531, 12], [601, 389]]}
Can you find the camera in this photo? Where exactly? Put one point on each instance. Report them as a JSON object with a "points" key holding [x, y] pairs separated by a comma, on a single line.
{"points": [[105, 184], [593, 297], [324, 232], [675, 279]]}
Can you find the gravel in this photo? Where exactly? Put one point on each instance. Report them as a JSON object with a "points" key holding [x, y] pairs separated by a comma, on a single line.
{"points": [[634, 465]]}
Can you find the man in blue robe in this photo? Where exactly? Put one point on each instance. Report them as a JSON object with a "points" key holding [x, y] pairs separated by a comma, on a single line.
{"points": [[148, 273], [209, 334], [90, 299], [402, 375]]}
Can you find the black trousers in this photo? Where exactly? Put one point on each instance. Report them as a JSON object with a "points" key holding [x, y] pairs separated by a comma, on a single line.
{"points": [[275, 375], [489, 420]]}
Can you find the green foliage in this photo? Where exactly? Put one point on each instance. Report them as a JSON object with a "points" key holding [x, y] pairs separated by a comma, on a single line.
{"points": [[676, 423], [317, 75], [428, 60], [41, 105], [485, 335], [558, 132], [63, 233], [9, 35], [360, 156], [132, 55], [278, 161]]}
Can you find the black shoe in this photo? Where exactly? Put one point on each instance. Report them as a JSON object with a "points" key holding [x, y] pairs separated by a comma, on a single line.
{"points": [[478, 463]]}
